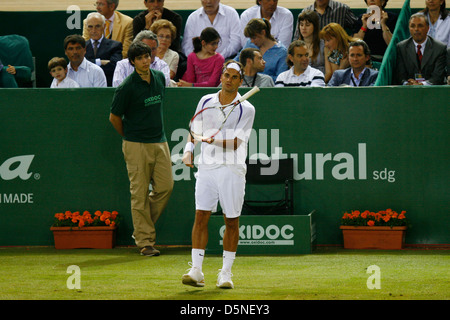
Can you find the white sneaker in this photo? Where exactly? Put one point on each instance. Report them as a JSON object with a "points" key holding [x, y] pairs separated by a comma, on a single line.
{"points": [[194, 277], [224, 280]]}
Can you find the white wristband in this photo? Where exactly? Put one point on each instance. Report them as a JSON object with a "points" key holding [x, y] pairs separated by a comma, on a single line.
{"points": [[189, 147]]}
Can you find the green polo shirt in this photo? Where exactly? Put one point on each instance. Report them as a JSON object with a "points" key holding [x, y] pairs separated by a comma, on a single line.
{"points": [[140, 104]]}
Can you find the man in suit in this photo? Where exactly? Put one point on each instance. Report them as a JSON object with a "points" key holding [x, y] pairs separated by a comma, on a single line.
{"points": [[358, 75], [119, 27], [99, 50], [421, 59]]}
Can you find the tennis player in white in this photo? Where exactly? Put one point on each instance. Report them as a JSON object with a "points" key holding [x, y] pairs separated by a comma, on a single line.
{"points": [[220, 176]]}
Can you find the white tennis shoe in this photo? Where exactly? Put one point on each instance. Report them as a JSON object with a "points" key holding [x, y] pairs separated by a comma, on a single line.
{"points": [[194, 277], [224, 280]]}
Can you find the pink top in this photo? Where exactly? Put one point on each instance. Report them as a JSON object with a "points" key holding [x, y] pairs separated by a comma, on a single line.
{"points": [[204, 72]]}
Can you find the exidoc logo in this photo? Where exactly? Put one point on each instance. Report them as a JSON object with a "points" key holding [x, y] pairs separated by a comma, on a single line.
{"points": [[260, 235], [16, 167]]}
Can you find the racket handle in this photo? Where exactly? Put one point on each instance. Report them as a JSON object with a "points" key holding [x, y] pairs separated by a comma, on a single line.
{"points": [[249, 94]]}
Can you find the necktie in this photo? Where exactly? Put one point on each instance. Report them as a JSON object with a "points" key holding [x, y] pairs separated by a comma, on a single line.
{"points": [[95, 48], [419, 53], [107, 32]]}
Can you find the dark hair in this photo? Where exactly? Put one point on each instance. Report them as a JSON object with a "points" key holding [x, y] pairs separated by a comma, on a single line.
{"points": [[256, 26], [311, 17], [74, 38], [247, 53], [208, 35], [136, 49], [366, 49], [442, 10], [383, 5], [57, 62], [294, 44], [360, 43]]}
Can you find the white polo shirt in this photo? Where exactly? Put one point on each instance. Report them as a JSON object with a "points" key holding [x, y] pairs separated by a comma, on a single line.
{"points": [[238, 125], [312, 77]]}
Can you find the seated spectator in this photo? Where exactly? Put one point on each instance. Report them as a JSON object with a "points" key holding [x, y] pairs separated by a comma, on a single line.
{"points": [[359, 74], [281, 20], [166, 33], [300, 74], [336, 42], [420, 58], [378, 35], [58, 70], [119, 27], [156, 11], [439, 20], [274, 53], [308, 23], [124, 67], [204, 64], [85, 73], [331, 11], [223, 18], [99, 50], [253, 62]]}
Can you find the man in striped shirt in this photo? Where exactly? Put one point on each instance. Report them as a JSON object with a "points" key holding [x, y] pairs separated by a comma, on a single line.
{"points": [[300, 74], [331, 11]]}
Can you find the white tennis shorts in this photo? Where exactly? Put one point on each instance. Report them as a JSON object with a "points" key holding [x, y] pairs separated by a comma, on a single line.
{"points": [[220, 185]]}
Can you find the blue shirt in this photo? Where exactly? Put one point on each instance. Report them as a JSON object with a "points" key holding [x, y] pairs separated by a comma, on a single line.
{"points": [[275, 59]]}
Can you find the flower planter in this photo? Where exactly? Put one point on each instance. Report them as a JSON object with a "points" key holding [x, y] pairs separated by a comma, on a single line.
{"points": [[103, 237], [376, 237]]}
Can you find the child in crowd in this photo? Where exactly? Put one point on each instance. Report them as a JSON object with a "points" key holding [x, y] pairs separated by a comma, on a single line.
{"points": [[204, 64], [58, 69]]}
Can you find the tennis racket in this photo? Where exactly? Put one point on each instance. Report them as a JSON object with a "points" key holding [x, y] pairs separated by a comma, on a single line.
{"points": [[208, 122]]}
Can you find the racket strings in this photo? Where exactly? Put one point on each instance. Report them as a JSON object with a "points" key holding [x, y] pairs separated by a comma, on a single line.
{"points": [[207, 123]]}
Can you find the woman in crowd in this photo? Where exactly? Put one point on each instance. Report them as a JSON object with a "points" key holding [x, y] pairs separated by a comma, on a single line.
{"points": [[439, 20], [274, 53], [336, 42], [379, 33], [166, 33], [308, 29], [204, 64]]}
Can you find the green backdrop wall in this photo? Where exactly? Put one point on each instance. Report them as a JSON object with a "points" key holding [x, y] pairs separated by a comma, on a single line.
{"points": [[354, 148]]}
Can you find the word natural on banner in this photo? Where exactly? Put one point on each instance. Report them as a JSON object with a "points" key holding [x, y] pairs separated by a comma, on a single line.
{"points": [[344, 165]]}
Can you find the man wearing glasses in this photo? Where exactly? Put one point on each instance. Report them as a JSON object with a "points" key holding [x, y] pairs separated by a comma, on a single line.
{"points": [[119, 27]]}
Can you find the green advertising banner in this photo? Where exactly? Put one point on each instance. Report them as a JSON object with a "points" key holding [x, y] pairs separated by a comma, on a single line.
{"points": [[293, 234], [353, 149]]}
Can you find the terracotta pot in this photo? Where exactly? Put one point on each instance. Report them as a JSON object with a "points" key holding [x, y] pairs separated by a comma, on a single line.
{"points": [[390, 238], [85, 237]]}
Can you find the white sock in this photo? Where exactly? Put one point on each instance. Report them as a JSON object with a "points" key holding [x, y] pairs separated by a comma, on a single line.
{"points": [[228, 259], [197, 258]]}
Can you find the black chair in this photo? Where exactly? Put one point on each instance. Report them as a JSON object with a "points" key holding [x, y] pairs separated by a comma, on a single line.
{"points": [[269, 176]]}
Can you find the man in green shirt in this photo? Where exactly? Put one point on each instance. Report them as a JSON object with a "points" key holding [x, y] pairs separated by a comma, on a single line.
{"points": [[136, 114]]}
